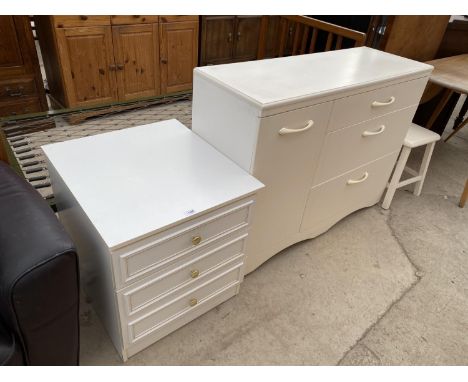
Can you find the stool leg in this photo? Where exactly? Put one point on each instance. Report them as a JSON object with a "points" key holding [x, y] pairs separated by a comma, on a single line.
{"points": [[400, 166], [464, 195], [423, 168]]}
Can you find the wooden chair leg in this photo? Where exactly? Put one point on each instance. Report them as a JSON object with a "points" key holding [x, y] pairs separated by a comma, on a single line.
{"points": [[456, 130], [400, 166], [423, 168], [464, 196]]}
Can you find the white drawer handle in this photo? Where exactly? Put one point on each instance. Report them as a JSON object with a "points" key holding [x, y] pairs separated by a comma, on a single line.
{"points": [[389, 102], [380, 130], [360, 180], [285, 130]]}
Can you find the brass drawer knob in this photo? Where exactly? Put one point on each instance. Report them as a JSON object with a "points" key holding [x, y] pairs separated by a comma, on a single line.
{"points": [[193, 302], [196, 240], [194, 273]]}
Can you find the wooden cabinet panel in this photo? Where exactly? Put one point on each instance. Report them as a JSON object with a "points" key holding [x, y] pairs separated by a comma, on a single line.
{"points": [[80, 21], [119, 20], [21, 87], [229, 38], [136, 51], [26, 106], [217, 39], [172, 19], [179, 53], [87, 65], [246, 40], [10, 54]]}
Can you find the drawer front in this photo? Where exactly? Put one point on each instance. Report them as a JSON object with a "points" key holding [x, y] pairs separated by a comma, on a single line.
{"points": [[172, 19], [23, 106], [80, 21], [119, 20], [354, 146], [136, 299], [137, 262], [333, 200], [183, 303], [361, 107], [168, 327], [17, 89], [287, 152]]}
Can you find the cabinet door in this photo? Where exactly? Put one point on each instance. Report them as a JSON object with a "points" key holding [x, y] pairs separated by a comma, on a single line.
{"points": [[246, 38], [88, 68], [136, 51], [179, 55], [217, 39], [287, 154]]}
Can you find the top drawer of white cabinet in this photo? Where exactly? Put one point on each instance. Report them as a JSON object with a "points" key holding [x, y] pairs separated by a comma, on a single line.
{"points": [[364, 106]]}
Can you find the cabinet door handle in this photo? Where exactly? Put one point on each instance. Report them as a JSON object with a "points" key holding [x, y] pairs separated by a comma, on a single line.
{"points": [[84, 17], [163, 61], [229, 37], [360, 180], [12, 93], [120, 66], [286, 130], [112, 67], [386, 103], [368, 133], [238, 36]]}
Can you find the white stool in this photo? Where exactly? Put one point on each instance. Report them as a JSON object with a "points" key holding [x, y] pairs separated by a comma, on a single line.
{"points": [[416, 136]]}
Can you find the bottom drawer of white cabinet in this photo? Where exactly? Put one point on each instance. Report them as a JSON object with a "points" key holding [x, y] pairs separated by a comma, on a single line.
{"points": [[177, 322], [331, 201], [184, 303]]}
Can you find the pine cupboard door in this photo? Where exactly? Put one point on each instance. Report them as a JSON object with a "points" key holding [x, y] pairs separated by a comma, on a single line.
{"points": [[246, 38], [217, 39], [179, 55], [88, 65], [136, 52]]}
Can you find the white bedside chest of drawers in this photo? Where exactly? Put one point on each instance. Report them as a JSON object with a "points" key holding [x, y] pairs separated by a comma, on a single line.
{"points": [[322, 131], [160, 219]]}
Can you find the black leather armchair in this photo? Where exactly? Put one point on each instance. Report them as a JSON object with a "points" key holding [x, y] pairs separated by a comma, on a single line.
{"points": [[39, 280]]}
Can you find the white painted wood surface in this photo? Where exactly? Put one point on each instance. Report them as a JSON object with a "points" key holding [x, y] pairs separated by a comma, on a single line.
{"points": [[241, 108], [160, 219], [153, 175], [269, 84]]}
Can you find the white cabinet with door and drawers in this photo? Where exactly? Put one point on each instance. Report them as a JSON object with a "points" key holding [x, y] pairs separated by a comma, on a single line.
{"points": [[321, 131]]}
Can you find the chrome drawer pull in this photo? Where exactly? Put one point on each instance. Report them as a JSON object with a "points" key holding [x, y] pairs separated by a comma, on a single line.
{"points": [[193, 302], [389, 102], [360, 180], [380, 130], [285, 130]]}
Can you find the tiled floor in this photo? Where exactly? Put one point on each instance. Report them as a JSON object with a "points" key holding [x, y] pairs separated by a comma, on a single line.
{"points": [[180, 110]]}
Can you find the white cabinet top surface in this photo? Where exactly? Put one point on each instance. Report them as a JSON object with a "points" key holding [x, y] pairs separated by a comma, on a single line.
{"points": [[140, 180], [290, 79]]}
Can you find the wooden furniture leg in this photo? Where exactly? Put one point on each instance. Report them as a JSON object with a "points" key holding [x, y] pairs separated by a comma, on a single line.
{"points": [[457, 129], [423, 168], [462, 113], [403, 158], [443, 101], [464, 196]]}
